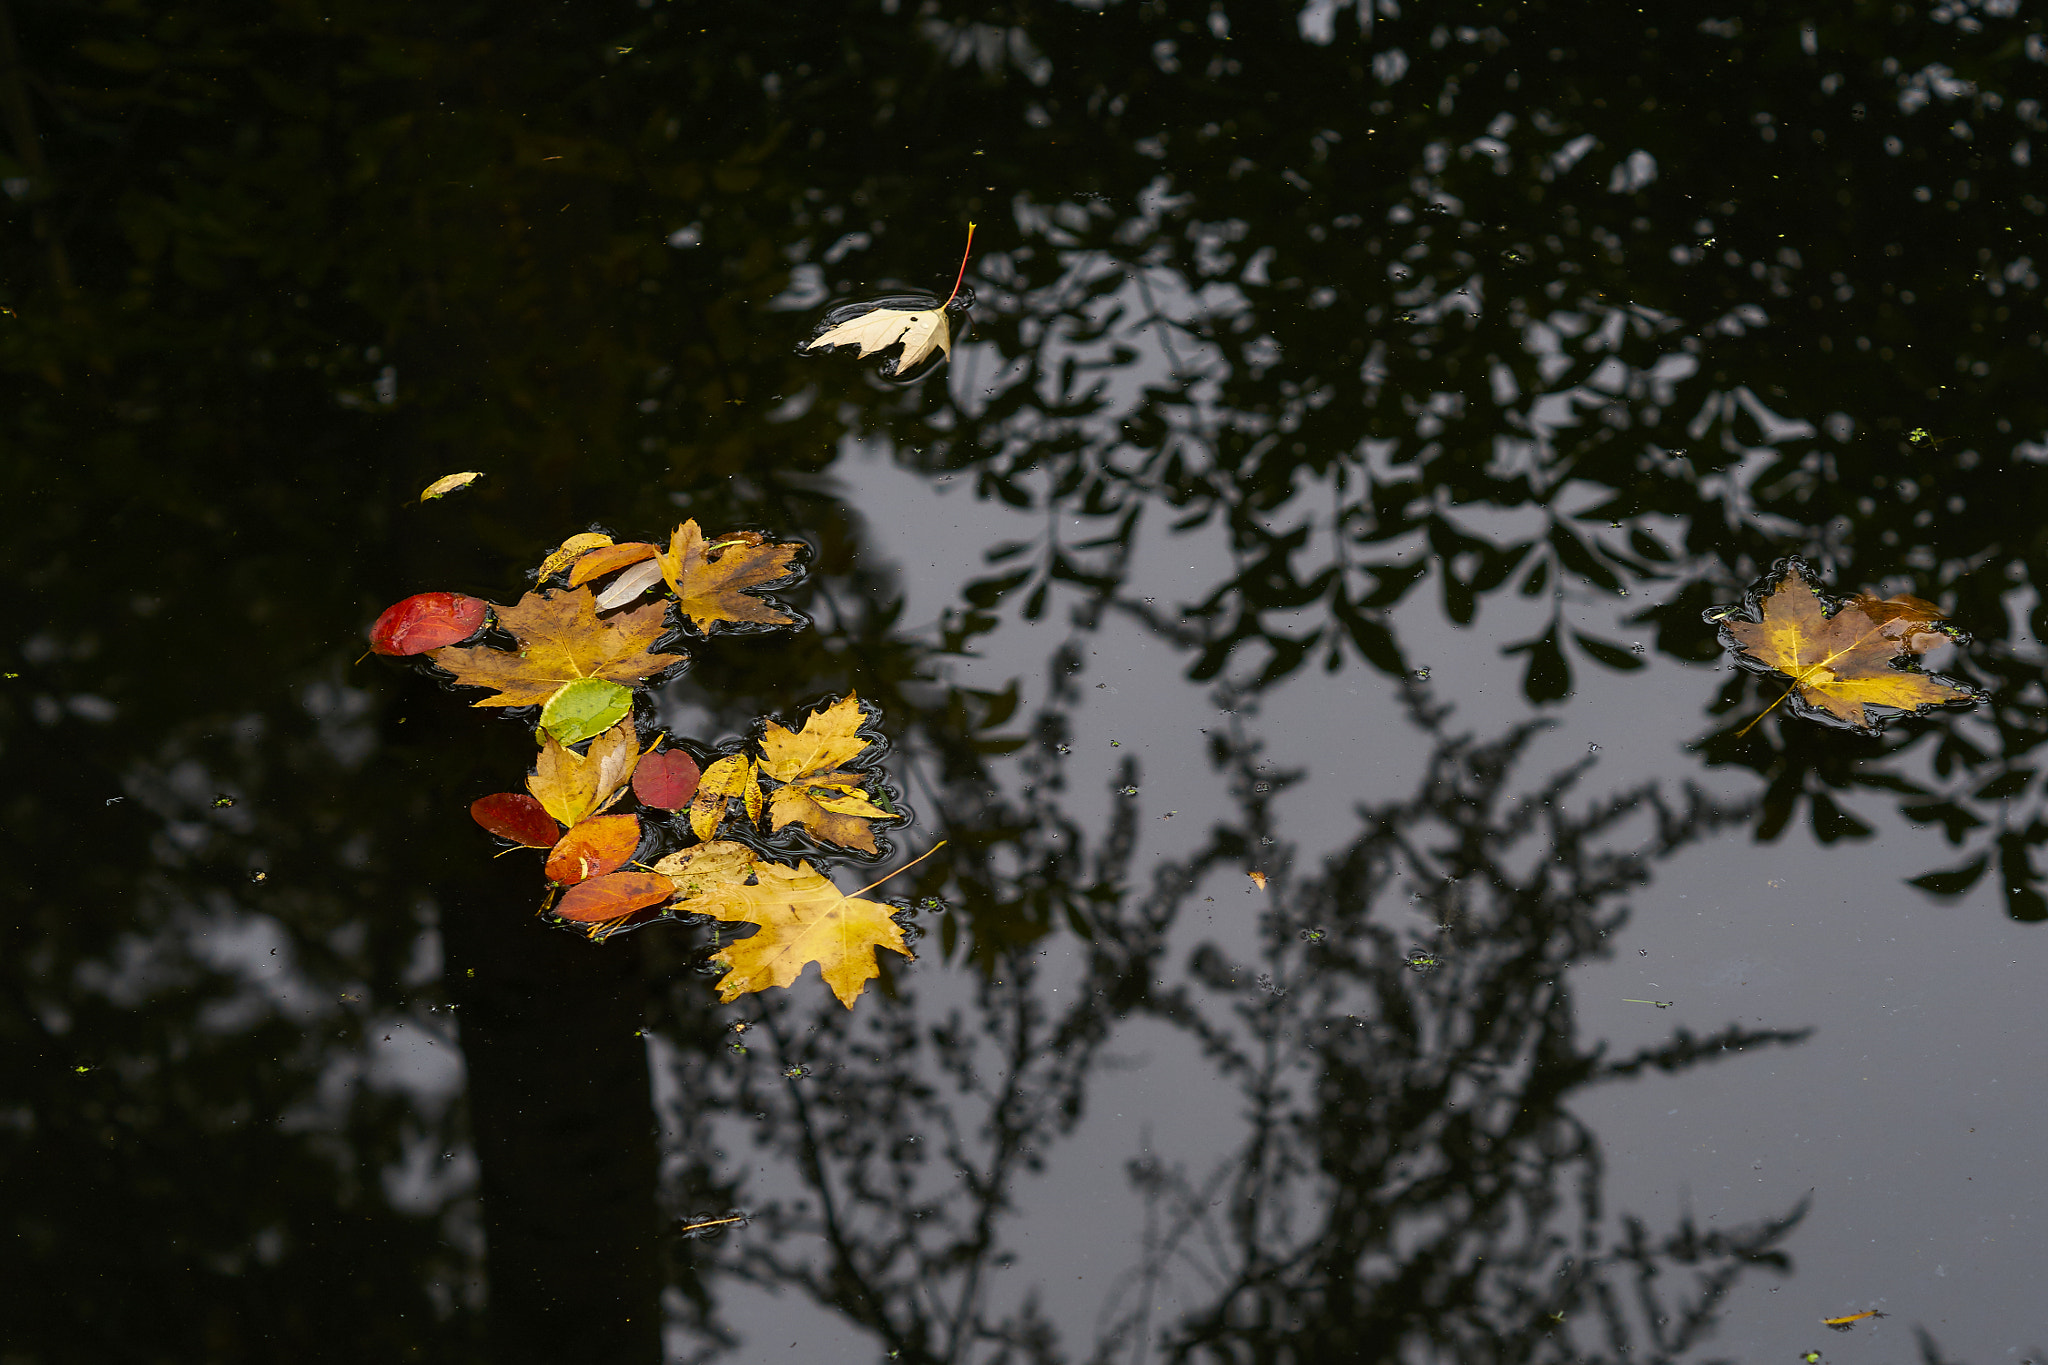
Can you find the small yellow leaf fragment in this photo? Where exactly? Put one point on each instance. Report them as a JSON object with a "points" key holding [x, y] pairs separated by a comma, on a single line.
{"points": [[448, 483], [1842, 1324], [733, 775], [571, 550], [1259, 880]]}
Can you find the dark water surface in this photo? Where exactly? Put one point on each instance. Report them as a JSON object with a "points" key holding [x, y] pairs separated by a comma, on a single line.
{"points": [[1361, 406]]}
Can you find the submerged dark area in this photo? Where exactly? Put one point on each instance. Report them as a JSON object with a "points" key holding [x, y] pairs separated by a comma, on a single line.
{"points": [[1362, 403]]}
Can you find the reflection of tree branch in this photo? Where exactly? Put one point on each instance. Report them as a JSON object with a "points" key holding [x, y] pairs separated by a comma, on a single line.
{"points": [[1432, 1158]]}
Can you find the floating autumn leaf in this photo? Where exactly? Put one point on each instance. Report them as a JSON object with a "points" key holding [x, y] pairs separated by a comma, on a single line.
{"points": [[818, 791], [1258, 879], [612, 897], [804, 918], [1840, 659], [878, 325], [572, 549], [731, 776], [715, 581], [585, 707], [560, 640], [516, 816], [708, 870], [598, 845], [427, 621], [608, 559], [571, 786], [448, 483], [666, 780], [1843, 1324]]}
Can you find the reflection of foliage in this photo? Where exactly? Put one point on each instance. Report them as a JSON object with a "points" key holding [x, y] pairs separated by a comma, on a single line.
{"points": [[1434, 1192], [1429, 1185]]}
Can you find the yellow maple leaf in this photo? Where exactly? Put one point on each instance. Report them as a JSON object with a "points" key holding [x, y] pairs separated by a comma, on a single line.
{"points": [[560, 640], [818, 792], [572, 787], [733, 775], [1842, 663], [804, 918], [714, 581]]}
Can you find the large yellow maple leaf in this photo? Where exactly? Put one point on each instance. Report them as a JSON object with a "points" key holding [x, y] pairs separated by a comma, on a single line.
{"points": [[818, 791], [804, 918], [1842, 663], [560, 640]]}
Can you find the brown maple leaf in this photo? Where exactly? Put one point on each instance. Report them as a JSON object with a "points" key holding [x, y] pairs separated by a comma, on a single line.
{"points": [[561, 639], [818, 791], [1839, 662], [714, 582]]}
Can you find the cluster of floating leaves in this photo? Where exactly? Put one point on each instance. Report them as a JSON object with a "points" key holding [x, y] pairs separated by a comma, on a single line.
{"points": [[601, 806]]}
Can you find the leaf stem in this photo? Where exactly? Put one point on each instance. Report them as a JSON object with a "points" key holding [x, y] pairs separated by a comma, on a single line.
{"points": [[959, 277], [905, 868], [1772, 707]]}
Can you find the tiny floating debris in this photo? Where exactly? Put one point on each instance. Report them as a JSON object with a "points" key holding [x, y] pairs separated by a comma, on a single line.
{"points": [[1258, 879], [1660, 1004], [1843, 1324]]}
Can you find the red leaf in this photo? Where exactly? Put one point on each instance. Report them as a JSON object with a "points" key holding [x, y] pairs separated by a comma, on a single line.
{"points": [[666, 780], [613, 896], [594, 848], [516, 816], [427, 621]]}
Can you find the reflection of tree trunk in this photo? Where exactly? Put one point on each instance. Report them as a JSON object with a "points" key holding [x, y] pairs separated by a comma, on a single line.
{"points": [[562, 1113], [28, 148]]}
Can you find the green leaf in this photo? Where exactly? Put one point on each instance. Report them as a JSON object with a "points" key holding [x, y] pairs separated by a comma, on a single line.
{"points": [[585, 708]]}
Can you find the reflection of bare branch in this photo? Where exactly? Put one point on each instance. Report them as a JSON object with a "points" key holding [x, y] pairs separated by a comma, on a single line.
{"points": [[1431, 1196], [1410, 1178]]}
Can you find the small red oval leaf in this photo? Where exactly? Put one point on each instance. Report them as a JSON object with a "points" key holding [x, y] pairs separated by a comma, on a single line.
{"points": [[427, 621], [613, 896], [518, 817], [666, 780]]}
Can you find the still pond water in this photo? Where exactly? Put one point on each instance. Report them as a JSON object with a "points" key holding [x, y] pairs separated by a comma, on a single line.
{"points": [[1361, 405]]}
